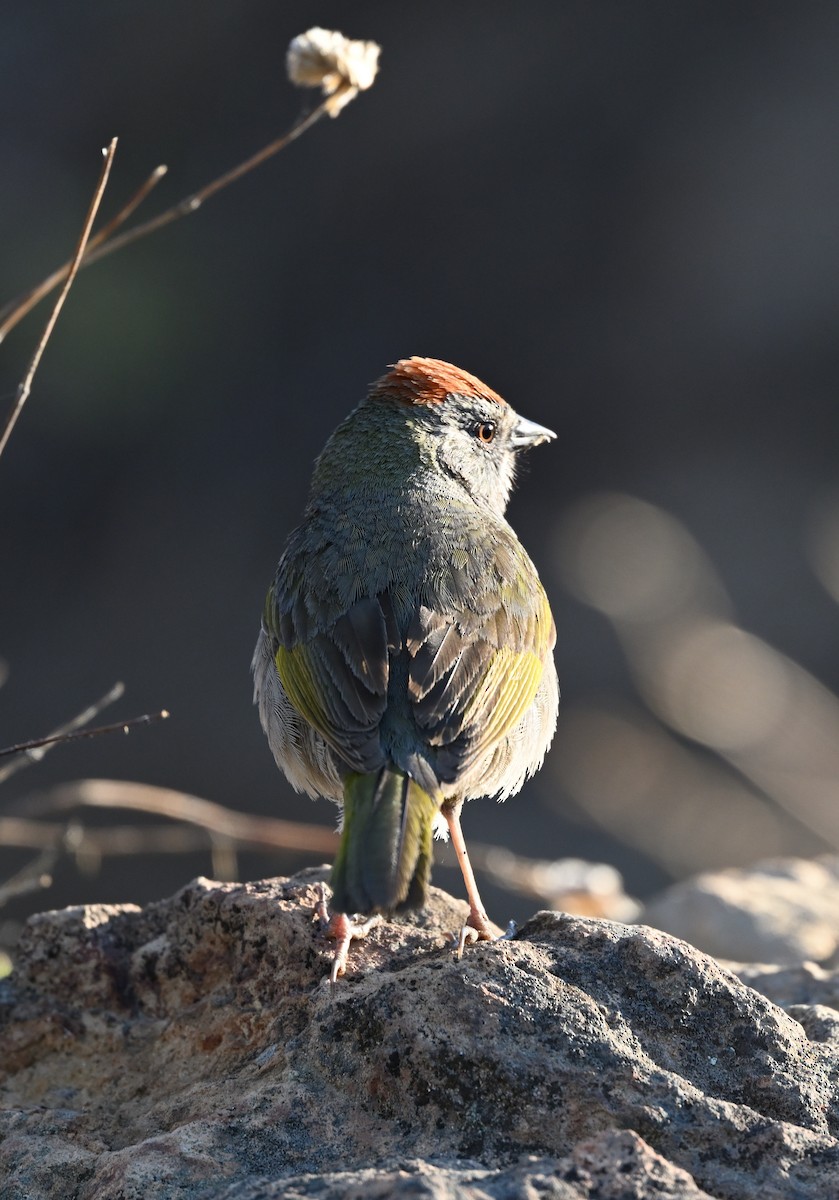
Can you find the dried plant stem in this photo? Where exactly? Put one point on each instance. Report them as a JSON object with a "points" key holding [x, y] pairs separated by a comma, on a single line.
{"points": [[191, 203], [104, 244], [26, 384], [116, 727], [31, 878], [14, 312], [215, 819], [203, 826], [200, 825], [114, 842], [89, 714]]}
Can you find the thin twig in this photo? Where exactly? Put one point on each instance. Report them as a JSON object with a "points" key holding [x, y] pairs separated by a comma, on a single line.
{"points": [[83, 718], [13, 313], [114, 841], [103, 244], [117, 727], [200, 825], [26, 385], [203, 826], [179, 806], [568, 884], [193, 202], [31, 878]]}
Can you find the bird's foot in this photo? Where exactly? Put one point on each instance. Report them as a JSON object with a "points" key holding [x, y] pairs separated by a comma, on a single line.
{"points": [[343, 929], [479, 928]]}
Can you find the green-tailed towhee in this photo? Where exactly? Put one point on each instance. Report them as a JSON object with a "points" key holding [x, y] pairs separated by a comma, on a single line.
{"points": [[405, 659]]}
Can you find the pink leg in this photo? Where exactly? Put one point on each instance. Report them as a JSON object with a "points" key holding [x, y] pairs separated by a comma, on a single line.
{"points": [[478, 927]]}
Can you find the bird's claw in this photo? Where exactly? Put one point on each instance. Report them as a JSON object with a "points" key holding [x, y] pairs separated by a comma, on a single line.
{"points": [[467, 937], [343, 929], [480, 929]]}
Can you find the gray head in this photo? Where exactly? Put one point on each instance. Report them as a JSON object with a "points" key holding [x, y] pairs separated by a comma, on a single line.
{"points": [[462, 427], [432, 422]]}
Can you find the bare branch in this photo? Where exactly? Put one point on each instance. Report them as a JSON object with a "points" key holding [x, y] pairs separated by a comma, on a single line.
{"points": [[116, 727], [31, 878], [83, 718], [116, 841], [12, 314], [103, 243], [241, 828], [570, 884], [192, 203], [26, 385], [204, 826]]}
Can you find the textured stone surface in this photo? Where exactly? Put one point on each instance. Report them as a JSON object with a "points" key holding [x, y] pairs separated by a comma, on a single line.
{"points": [[802, 984], [617, 1165], [194, 1049], [784, 910]]}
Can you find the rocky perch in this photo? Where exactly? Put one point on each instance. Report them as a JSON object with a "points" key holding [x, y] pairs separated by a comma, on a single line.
{"points": [[193, 1049]]}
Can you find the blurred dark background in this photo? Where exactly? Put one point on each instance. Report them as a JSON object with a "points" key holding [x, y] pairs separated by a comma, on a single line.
{"points": [[622, 217]]}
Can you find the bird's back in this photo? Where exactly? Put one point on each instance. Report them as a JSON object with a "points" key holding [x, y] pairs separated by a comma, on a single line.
{"points": [[447, 609]]}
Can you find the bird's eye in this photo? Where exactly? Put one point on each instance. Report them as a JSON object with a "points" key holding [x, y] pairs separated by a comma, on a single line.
{"points": [[485, 432]]}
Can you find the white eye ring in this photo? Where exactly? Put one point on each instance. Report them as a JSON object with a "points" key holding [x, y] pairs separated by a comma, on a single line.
{"points": [[485, 431]]}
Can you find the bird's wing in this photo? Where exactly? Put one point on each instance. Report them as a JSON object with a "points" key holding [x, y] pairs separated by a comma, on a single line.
{"points": [[336, 679], [475, 653], [474, 673]]}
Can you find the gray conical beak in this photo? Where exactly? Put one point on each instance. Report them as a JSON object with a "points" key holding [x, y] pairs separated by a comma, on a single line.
{"points": [[528, 433]]}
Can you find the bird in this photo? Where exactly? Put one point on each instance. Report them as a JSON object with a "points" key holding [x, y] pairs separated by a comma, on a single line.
{"points": [[404, 662]]}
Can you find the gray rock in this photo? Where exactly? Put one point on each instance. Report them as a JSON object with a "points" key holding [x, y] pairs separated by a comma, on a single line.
{"points": [[617, 1165], [194, 1049], [801, 984], [784, 910]]}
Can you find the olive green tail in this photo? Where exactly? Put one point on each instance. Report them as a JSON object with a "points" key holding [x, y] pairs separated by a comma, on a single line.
{"points": [[384, 860]]}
